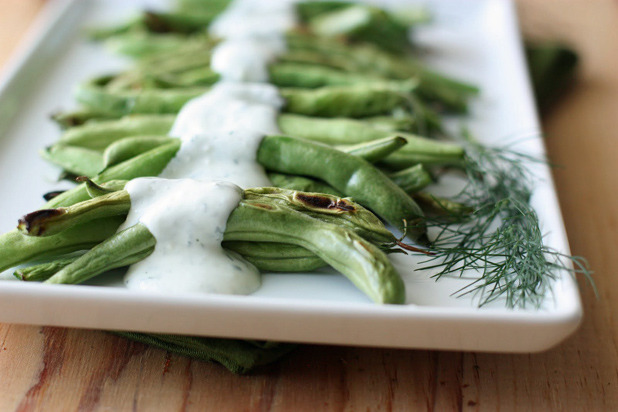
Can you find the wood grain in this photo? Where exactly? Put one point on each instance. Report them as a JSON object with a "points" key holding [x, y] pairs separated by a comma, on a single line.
{"points": [[43, 368]]}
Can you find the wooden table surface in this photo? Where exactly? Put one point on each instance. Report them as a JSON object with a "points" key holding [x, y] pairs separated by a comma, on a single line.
{"points": [[45, 368]]}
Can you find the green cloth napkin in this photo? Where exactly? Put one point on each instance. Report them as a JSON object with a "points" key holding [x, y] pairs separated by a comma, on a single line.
{"points": [[239, 356], [552, 68]]}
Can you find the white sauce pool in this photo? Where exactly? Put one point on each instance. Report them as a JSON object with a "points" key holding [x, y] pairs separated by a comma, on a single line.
{"points": [[188, 219]]}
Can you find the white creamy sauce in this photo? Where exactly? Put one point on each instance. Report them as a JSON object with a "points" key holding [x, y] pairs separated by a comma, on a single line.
{"points": [[246, 59], [254, 18], [230, 106], [221, 132], [187, 207], [188, 218], [253, 33]]}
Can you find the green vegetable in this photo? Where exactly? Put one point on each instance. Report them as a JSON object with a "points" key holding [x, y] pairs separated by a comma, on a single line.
{"points": [[100, 135], [17, 248], [42, 271], [334, 229], [350, 175]]}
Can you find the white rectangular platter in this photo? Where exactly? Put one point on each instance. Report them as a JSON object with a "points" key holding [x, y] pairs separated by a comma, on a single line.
{"points": [[475, 40]]}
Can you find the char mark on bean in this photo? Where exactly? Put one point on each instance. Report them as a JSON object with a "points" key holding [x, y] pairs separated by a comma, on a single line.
{"points": [[155, 23], [263, 206], [31, 222], [323, 202], [50, 195]]}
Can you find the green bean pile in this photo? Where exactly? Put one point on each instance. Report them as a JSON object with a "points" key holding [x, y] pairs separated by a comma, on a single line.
{"points": [[360, 135]]}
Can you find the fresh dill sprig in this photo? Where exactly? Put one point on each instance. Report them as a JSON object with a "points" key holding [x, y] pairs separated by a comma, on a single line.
{"points": [[501, 238]]}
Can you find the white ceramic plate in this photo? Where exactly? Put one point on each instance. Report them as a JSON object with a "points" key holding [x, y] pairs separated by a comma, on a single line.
{"points": [[475, 40]]}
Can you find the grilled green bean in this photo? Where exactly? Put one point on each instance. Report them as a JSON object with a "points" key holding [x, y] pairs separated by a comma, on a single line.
{"points": [[348, 174], [48, 222], [347, 101], [376, 149], [302, 184], [351, 175], [52, 221], [267, 257], [121, 249], [412, 179], [150, 163], [272, 215], [76, 160], [334, 131], [92, 94], [363, 23], [43, 271], [17, 248], [129, 147], [100, 135], [360, 261]]}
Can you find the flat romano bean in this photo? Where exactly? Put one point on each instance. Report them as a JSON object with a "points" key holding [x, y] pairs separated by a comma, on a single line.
{"points": [[276, 257], [17, 248], [99, 135], [180, 61], [368, 59], [352, 176], [395, 122], [349, 101], [332, 209], [129, 147], [376, 149], [140, 45], [66, 120], [42, 271], [299, 264], [94, 95], [76, 160], [150, 163], [121, 249], [347, 174], [190, 78], [327, 208], [412, 179], [95, 190], [359, 260], [312, 76], [301, 183], [366, 23], [49, 222], [295, 259], [335, 131], [442, 207], [403, 160], [272, 215]]}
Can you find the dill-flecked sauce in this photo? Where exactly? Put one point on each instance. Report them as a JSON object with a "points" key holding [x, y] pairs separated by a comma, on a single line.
{"points": [[187, 217], [221, 132], [187, 208]]}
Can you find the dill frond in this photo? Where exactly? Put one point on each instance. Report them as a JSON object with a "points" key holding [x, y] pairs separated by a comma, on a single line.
{"points": [[501, 238]]}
